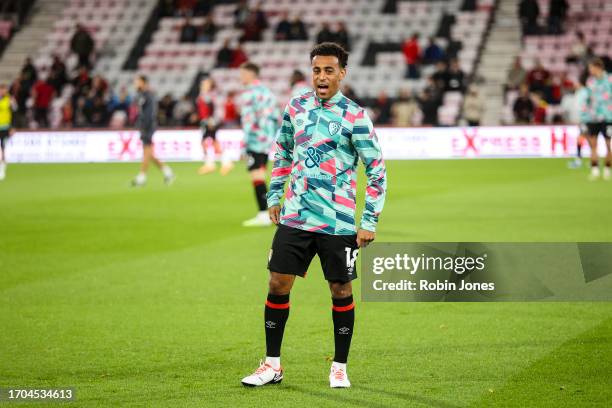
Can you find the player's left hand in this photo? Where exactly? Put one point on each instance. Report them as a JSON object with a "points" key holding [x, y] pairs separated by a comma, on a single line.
{"points": [[364, 237]]}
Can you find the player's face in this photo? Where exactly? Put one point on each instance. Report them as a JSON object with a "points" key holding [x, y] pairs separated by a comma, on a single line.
{"points": [[326, 75], [205, 86], [594, 70], [246, 76], [2, 91]]}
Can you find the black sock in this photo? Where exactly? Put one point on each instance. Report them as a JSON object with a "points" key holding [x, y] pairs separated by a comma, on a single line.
{"points": [[261, 193], [594, 163], [275, 317], [343, 314], [579, 150]]}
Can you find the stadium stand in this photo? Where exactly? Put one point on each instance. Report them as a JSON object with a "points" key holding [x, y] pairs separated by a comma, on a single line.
{"points": [[592, 18], [169, 62], [377, 30]]}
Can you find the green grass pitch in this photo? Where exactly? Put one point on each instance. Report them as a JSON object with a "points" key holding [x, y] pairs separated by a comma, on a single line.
{"points": [[154, 297]]}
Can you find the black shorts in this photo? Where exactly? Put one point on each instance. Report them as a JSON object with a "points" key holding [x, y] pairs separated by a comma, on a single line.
{"points": [[4, 135], [293, 250], [595, 128], [208, 131], [146, 136], [256, 160]]}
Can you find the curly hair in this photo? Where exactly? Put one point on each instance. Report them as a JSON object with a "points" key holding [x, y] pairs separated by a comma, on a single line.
{"points": [[331, 49]]}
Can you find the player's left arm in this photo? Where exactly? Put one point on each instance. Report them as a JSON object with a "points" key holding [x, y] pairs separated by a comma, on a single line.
{"points": [[366, 144]]}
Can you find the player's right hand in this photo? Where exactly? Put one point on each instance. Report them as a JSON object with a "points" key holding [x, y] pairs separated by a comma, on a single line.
{"points": [[274, 212]]}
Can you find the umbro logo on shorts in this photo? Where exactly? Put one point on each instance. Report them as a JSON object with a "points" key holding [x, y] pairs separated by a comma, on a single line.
{"points": [[270, 324]]}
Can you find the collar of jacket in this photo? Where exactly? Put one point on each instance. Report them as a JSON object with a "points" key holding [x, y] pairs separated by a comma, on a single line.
{"points": [[330, 102]]}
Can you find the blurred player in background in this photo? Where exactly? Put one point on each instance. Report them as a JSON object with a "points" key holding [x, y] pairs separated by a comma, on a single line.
{"points": [[599, 92], [322, 138], [7, 105], [298, 83], [576, 112], [147, 123], [210, 123], [259, 116]]}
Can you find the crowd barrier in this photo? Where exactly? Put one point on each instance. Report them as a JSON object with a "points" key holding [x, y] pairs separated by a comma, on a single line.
{"points": [[397, 144]]}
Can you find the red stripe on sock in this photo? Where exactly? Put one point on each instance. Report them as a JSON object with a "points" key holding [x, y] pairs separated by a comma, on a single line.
{"points": [[343, 308], [258, 182], [277, 305]]}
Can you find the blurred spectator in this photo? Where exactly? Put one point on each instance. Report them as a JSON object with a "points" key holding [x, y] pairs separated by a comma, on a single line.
{"points": [[254, 24], [203, 7], [523, 106], [166, 8], [224, 56], [298, 83], [208, 30], [238, 56], [67, 114], [241, 13], [283, 29], [540, 108], [404, 109], [429, 104], [82, 44], [570, 106], [120, 102], [557, 12], [81, 83], [297, 30], [432, 53], [185, 7], [434, 87], [325, 35], [29, 73], [42, 95], [469, 5], [99, 86], [57, 74], [529, 11], [382, 109], [230, 110], [165, 110], [20, 92], [538, 78], [183, 110], [440, 76], [79, 116], [412, 53], [342, 36], [349, 92], [456, 77], [473, 106], [516, 76], [579, 49], [98, 112], [189, 32]]}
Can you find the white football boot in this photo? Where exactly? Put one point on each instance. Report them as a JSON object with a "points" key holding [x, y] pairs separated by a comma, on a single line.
{"points": [[262, 219], [265, 374], [338, 377]]}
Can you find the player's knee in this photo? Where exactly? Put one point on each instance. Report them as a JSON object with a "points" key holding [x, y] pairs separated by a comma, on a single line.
{"points": [[279, 286], [340, 290]]}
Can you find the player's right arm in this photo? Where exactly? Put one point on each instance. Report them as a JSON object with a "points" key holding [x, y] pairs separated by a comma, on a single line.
{"points": [[283, 160], [248, 117]]}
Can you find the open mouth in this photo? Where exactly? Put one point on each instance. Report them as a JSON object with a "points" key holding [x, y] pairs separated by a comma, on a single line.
{"points": [[322, 87]]}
